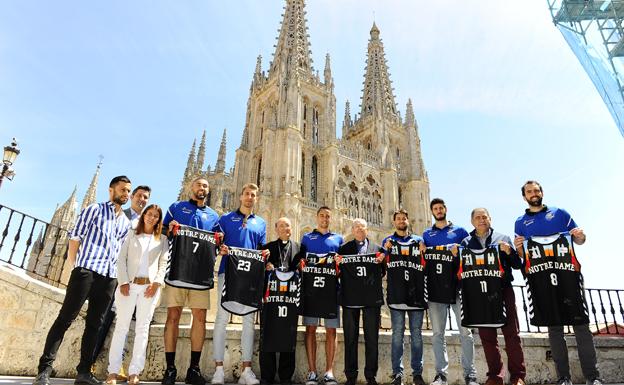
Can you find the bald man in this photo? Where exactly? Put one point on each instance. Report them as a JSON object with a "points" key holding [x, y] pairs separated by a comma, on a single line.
{"points": [[285, 256]]}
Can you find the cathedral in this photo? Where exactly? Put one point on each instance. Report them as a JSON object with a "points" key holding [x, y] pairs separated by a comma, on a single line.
{"points": [[290, 149]]}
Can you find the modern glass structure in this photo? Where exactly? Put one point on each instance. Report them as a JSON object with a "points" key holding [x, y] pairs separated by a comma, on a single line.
{"points": [[593, 30]]}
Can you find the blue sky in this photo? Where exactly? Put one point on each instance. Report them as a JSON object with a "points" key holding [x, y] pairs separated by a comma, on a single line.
{"points": [[498, 96]]}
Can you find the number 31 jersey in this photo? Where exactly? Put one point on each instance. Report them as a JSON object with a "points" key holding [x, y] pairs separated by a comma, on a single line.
{"points": [[481, 276], [244, 281], [320, 285], [360, 281], [554, 280], [192, 255], [280, 312]]}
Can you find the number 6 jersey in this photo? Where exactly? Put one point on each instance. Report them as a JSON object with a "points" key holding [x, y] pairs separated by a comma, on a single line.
{"points": [[280, 312], [406, 288], [555, 284]]}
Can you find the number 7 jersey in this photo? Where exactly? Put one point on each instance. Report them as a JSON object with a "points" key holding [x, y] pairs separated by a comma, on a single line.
{"points": [[554, 280], [192, 254]]}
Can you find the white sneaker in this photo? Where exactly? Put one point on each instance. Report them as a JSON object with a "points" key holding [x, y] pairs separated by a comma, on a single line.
{"points": [[312, 379], [439, 379], [248, 377], [595, 381], [218, 378], [564, 381]]}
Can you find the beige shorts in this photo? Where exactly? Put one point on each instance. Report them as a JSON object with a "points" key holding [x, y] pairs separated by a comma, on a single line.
{"points": [[178, 297]]}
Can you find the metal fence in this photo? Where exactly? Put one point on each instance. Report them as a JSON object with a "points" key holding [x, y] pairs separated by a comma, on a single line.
{"points": [[40, 249]]}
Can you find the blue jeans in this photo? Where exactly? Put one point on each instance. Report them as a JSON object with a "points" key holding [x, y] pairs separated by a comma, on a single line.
{"points": [[438, 315], [398, 331]]}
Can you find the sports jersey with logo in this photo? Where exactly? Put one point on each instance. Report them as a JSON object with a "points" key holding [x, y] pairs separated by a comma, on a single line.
{"points": [[406, 289], [481, 276], [240, 231], [280, 312], [243, 287], [192, 254], [440, 269], [360, 281], [320, 285], [554, 280], [189, 214]]}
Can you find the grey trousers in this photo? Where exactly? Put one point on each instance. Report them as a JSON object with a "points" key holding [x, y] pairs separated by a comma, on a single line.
{"points": [[584, 346]]}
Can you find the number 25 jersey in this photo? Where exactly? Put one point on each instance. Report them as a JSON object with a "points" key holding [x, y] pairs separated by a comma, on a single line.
{"points": [[320, 285], [554, 280]]}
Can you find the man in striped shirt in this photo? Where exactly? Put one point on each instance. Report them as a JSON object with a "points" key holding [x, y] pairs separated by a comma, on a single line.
{"points": [[94, 246]]}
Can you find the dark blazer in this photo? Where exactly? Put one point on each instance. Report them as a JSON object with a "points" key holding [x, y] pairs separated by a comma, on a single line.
{"points": [[295, 255], [128, 212]]}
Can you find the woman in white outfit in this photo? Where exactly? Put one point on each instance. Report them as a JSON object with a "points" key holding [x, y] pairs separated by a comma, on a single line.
{"points": [[140, 274]]}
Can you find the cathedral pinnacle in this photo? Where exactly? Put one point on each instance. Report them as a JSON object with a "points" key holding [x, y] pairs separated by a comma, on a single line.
{"points": [[378, 96], [347, 123], [201, 154], [327, 72], [220, 167], [410, 121], [90, 195], [292, 52]]}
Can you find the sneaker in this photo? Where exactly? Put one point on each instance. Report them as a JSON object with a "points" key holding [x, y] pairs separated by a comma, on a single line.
{"points": [[86, 379], [564, 381], [418, 380], [218, 378], [194, 376], [170, 375], [371, 381], [42, 378], [471, 381], [439, 379], [248, 377], [595, 381], [312, 379], [397, 379], [329, 379]]}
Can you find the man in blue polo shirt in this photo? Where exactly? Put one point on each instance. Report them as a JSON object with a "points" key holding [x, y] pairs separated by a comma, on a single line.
{"points": [[194, 213], [321, 241], [541, 220], [446, 233], [241, 228], [400, 219]]}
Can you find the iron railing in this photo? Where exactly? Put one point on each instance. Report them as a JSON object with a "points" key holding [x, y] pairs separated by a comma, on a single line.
{"points": [[40, 249]]}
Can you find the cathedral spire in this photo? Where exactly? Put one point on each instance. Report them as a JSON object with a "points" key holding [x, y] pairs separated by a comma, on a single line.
{"points": [[292, 52], [378, 96], [90, 195], [347, 123], [201, 154], [327, 73], [410, 121], [220, 167]]}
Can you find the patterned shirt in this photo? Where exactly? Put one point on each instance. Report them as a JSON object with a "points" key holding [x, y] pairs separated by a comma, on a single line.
{"points": [[100, 232]]}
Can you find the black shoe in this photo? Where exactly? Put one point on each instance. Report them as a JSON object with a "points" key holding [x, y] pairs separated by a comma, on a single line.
{"points": [[397, 379], [418, 380], [350, 381], [265, 382], [194, 377], [371, 381], [43, 378], [170, 375], [86, 379]]}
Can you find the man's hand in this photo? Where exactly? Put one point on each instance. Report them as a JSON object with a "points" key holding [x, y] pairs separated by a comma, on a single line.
{"points": [[125, 289], [269, 266], [422, 247], [578, 235], [224, 250], [388, 245], [454, 250], [173, 225], [338, 259], [519, 243], [379, 257], [505, 247], [151, 290]]}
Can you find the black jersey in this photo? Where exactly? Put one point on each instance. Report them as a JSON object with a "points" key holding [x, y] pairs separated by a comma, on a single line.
{"points": [[320, 285], [244, 281], [440, 269], [555, 284], [192, 254], [360, 281], [280, 312], [406, 288], [481, 280]]}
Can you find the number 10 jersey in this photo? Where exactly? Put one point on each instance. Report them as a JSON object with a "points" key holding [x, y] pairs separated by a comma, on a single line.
{"points": [[280, 312]]}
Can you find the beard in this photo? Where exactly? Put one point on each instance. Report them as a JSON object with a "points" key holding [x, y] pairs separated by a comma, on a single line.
{"points": [[401, 227], [199, 195], [440, 217], [120, 200], [535, 202]]}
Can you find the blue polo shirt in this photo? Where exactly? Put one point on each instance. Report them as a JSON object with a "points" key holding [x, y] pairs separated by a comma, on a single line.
{"points": [[450, 234], [398, 238], [548, 221], [315, 242], [189, 214], [250, 235]]}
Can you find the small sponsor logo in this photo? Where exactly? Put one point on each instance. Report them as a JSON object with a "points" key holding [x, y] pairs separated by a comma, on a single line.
{"points": [[550, 215]]}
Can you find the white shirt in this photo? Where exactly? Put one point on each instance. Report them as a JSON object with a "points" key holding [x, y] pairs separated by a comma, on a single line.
{"points": [[144, 240]]}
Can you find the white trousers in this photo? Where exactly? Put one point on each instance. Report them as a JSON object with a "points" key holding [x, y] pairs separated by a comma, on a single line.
{"points": [[144, 311], [221, 321]]}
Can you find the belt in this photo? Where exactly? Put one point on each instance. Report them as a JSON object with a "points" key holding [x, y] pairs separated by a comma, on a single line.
{"points": [[141, 281]]}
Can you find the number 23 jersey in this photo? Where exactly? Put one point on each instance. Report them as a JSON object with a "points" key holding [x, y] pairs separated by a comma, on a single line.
{"points": [[243, 287]]}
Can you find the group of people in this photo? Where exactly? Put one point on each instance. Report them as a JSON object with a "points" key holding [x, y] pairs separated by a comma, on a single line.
{"points": [[124, 255]]}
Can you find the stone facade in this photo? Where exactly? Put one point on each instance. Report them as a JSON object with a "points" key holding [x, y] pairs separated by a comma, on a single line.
{"points": [[28, 307], [290, 149]]}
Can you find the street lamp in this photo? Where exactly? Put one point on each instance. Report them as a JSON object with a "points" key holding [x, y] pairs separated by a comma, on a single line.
{"points": [[10, 153]]}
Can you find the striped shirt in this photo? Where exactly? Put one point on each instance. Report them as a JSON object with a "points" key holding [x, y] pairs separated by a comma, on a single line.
{"points": [[100, 232]]}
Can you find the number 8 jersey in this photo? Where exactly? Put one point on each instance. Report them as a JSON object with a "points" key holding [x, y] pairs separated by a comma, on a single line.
{"points": [[555, 284]]}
